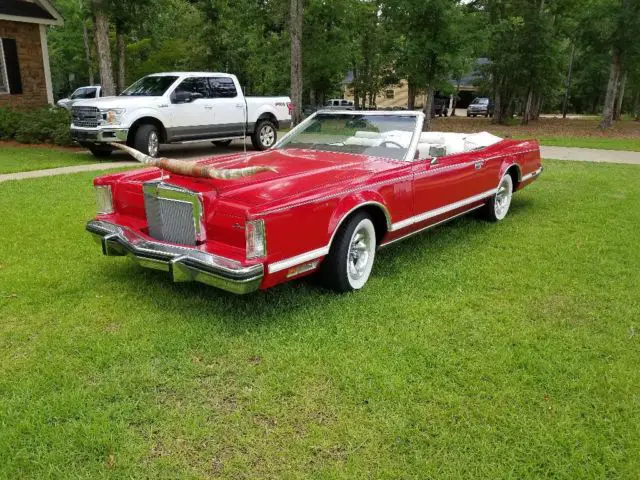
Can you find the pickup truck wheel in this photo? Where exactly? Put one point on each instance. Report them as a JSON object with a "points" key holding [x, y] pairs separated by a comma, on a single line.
{"points": [[348, 265], [222, 143], [264, 136], [498, 206], [147, 140]]}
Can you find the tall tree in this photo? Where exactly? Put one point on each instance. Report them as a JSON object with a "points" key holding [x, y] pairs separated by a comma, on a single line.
{"points": [[431, 44], [296, 59], [101, 21], [621, 22], [87, 51]]}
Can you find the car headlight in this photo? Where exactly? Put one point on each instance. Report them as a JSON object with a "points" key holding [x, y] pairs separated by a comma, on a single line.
{"points": [[256, 239], [104, 199], [112, 116]]}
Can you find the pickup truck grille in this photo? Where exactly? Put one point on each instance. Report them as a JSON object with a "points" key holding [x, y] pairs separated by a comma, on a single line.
{"points": [[173, 214], [88, 117]]}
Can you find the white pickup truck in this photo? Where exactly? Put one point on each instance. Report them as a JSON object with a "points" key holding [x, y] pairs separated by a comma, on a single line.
{"points": [[179, 107]]}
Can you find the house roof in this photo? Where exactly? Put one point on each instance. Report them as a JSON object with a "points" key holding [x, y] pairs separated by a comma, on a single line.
{"points": [[40, 11]]}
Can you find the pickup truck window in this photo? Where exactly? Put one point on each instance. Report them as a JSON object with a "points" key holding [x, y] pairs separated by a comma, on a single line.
{"points": [[198, 86], [222, 87], [83, 93], [154, 86]]}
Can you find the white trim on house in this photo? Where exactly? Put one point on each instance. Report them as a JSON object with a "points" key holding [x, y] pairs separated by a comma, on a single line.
{"points": [[42, 21], [57, 20], [50, 8], [45, 63]]}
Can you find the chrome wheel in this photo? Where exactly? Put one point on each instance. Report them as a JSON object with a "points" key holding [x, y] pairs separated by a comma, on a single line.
{"points": [[502, 200], [362, 247], [153, 144], [267, 136]]}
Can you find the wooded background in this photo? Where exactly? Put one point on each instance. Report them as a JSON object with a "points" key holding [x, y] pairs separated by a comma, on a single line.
{"points": [[544, 55]]}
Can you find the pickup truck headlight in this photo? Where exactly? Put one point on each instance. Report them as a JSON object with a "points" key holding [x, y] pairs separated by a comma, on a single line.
{"points": [[112, 116], [104, 199], [256, 239]]}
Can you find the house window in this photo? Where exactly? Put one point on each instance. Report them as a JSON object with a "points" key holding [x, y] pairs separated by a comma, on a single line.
{"points": [[10, 80], [4, 81], [390, 93]]}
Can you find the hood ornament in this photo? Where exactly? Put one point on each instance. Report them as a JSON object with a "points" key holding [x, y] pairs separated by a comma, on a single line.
{"points": [[193, 168]]}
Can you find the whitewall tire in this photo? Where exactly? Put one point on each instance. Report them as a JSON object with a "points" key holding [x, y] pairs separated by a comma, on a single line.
{"points": [[498, 206], [348, 265]]}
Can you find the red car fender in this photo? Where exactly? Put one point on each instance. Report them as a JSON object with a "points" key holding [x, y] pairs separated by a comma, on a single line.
{"points": [[350, 204], [506, 164]]}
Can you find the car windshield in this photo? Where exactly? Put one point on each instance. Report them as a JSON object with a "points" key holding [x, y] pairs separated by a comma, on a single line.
{"points": [[150, 86], [387, 136], [481, 101]]}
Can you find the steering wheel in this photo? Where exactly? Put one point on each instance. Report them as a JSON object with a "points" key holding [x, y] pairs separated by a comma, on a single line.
{"points": [[391, 142]]}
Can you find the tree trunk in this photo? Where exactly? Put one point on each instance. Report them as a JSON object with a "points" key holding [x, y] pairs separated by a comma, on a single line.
{"points": [[87, 52], [497, 108], [618, 111], [296, 60], [411, 92], [568, 90], [428, 102], [537, 107], [121, 60], [526, 114], [636, 107], [609, 101], [104, 49]]}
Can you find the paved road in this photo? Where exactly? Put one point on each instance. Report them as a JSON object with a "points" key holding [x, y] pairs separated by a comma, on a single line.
{"points": [[199, 150], [590, 155]]}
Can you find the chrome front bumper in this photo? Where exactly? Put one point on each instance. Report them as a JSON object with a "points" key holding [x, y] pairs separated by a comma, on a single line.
{"points": [[99, 135], [185, 264]]}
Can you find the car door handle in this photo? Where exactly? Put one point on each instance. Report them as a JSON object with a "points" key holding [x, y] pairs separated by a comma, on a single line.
{"points": [[239, 105], [479, 164], [208, 107]]}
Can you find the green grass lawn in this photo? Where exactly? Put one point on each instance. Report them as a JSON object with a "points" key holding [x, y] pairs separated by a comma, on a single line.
{"points": [[24, 159], [476, 350], [628, 144]]}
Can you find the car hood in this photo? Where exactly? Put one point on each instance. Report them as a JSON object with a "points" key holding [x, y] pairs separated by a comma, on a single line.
{"points": [[116, 101], [300, 174]]}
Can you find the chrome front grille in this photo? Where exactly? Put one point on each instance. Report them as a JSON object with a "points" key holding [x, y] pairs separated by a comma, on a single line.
{"points": [[173, 214], [88, 117]]}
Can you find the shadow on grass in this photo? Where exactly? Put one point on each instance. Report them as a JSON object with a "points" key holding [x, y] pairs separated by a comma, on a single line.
{"points": [[289, 302]]}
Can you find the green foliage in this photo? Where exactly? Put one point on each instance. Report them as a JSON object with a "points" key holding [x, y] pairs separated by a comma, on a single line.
{"points": [[43, 125]]}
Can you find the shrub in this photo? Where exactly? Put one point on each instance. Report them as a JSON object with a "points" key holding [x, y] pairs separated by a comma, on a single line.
{"points": [[42, 125]]}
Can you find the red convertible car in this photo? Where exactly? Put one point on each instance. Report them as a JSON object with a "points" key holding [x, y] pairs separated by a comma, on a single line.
{"points": [[323, 200]]}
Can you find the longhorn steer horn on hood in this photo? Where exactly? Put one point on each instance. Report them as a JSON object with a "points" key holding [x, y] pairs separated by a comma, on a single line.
{"points": [[192, 169]]}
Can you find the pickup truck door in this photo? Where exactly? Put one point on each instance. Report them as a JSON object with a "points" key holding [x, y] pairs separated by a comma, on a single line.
{"points": [[228, 107], [191, 110], [446, 187]]}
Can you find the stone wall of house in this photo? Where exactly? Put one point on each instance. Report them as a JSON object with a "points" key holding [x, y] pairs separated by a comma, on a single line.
{"points": [[34, 89]]}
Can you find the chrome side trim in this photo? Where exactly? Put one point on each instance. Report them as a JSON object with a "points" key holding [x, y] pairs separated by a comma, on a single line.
{"points": [[531, 175], [430, 226], [293, 261], [440, 211]]}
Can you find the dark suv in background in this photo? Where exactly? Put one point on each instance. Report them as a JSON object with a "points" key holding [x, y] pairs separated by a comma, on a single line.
{"points": [[480, 106], [440, 106]]}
